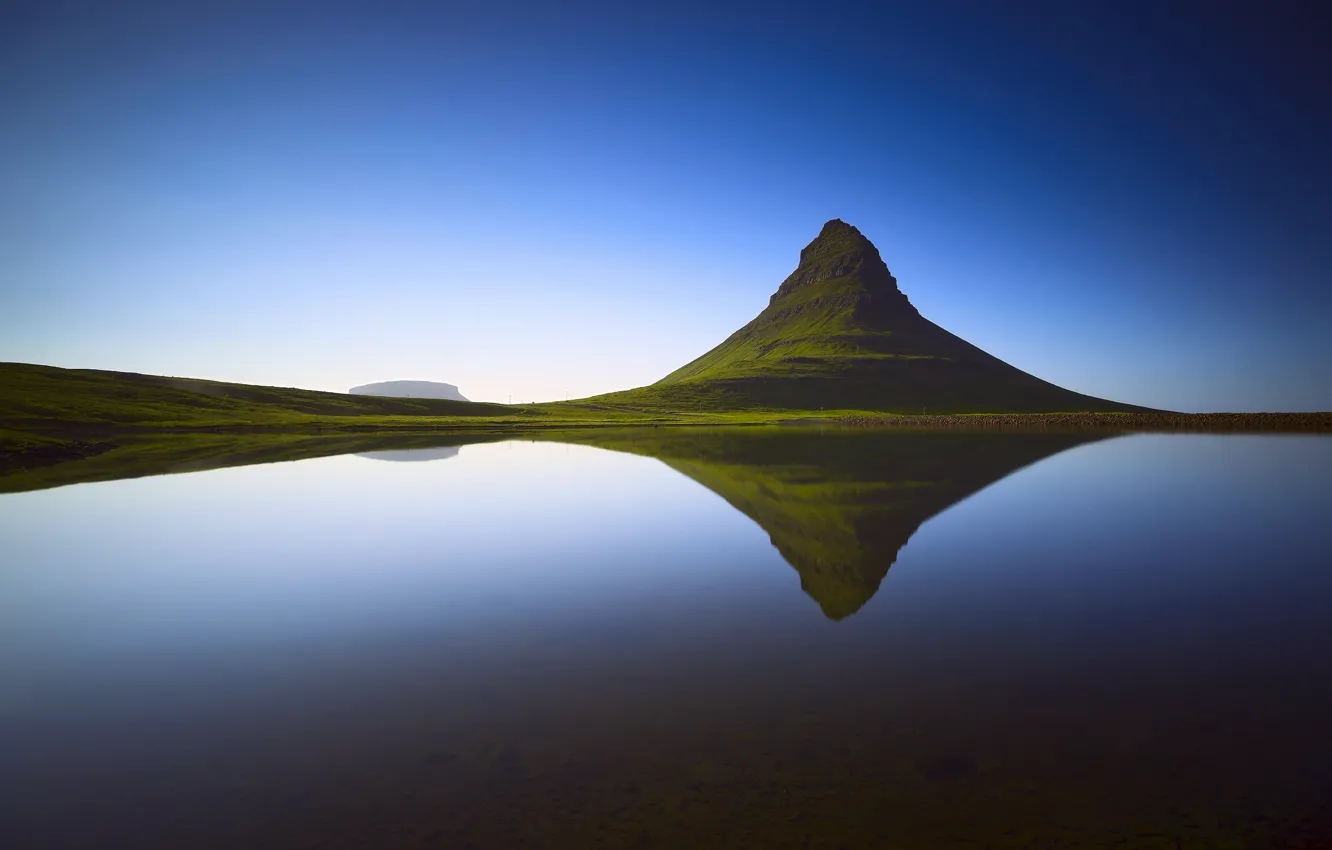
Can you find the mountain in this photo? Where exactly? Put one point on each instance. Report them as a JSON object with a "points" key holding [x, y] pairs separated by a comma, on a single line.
{"points": [[840, 508], [409, 389], [840, 335]]}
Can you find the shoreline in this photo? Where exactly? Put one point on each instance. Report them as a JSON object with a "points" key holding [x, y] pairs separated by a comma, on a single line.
{"points": [[68, 440], [1201, 423], [28, 457], [77, 453]]}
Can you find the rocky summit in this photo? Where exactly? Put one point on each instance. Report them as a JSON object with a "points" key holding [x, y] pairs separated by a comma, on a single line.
{"points": [[839, 334]]}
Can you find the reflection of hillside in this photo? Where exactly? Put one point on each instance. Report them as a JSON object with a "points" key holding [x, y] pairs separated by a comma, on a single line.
{"points": [[162, 454], [838, 506]]}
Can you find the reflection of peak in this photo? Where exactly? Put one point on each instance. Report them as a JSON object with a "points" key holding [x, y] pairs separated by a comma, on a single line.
{"points": [[839, 508], [436, 453], [819, 534]]}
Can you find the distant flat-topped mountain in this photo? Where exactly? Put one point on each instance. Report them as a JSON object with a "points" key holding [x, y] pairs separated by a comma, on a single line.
{"points": [[839, 334], [410, 389]]}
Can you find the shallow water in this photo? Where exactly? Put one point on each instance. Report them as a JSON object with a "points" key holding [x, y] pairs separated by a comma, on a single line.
{"points": [[720, 639]]}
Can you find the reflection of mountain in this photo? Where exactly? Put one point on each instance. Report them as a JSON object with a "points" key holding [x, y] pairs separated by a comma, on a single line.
{"points": [[437, 453], [839, 506]]}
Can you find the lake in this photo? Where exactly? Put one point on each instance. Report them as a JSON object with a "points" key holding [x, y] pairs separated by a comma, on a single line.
{"points": [[667, 638]]}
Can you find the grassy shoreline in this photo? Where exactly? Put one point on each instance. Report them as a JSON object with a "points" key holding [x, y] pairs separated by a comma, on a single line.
{"points": [[50, 415], [32, 461], [1210, 423]]}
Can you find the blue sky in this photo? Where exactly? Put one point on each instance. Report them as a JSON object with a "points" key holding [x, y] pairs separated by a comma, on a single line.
{"points": [[531, 200]]}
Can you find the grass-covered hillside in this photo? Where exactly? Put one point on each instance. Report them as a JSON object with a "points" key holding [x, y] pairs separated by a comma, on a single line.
{"points": [[45, 400], [45, 410], [34, 393]]}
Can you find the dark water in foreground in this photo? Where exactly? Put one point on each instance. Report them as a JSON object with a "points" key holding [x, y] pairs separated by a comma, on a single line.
{"points": [[1080, 643]]}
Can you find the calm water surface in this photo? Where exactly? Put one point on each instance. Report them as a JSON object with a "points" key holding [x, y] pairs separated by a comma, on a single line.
{"points": [[720, 639]]}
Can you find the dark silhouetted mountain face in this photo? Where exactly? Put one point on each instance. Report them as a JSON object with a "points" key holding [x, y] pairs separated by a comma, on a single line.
{"points": [[840, 507], [839, 334], [410, 389]]}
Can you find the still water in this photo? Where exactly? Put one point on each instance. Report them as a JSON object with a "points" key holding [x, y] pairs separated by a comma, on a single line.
{"points": [[673, 639]]}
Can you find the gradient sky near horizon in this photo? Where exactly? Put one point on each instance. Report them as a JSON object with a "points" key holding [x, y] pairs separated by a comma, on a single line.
{"points": [[534, 200]]}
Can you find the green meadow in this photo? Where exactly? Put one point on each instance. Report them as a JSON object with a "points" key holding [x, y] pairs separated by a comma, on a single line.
{"points": [[44, 405], [111, 422]]}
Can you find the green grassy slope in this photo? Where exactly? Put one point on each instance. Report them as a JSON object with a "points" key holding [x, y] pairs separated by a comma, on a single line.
{"points": [[42, 404], [47, 393], [839, 334]]}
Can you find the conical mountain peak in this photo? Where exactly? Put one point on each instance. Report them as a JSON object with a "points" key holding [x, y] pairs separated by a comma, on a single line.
{"points": [[839, 251], [839, 335]]}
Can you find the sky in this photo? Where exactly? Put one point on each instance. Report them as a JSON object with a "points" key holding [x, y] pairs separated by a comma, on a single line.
{"points": [[536, 201]]}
